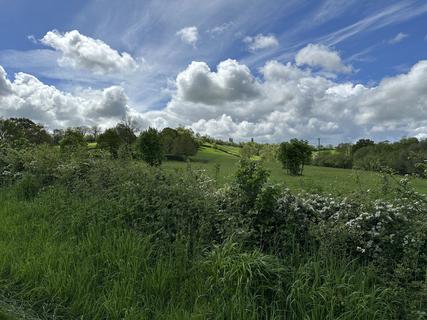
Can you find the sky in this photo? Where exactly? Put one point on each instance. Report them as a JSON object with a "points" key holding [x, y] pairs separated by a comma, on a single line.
{"points": [[269, 70]]}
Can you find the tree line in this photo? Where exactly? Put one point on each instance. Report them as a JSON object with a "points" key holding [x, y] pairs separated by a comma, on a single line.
{"points": [[122, 140], [406, 156]]}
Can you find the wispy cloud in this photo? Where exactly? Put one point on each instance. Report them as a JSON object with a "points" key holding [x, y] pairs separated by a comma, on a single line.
{"points": [[398, 38], [391, 15]]}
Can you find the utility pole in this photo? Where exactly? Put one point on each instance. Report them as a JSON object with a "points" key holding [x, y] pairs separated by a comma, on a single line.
{"points": [[318, 143]]}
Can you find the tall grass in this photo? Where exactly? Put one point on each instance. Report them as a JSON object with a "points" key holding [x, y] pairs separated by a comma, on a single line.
{"points": [[63, 269]]}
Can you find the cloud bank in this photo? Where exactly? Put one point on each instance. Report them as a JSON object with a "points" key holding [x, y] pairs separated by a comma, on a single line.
{"points": [[27, 96], [284, 100]]}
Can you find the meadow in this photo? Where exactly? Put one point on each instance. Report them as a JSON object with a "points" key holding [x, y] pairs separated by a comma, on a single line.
{"points": [[221, 163], [84, 236]]}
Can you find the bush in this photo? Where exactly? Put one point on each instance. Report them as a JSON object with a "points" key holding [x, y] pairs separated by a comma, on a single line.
{"points": [[294, 155], [150, 146], [333, 160]]}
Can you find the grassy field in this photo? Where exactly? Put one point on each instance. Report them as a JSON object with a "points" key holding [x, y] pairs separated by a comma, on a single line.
{"points": [[121, 240], [221, 163], [64, 271]]}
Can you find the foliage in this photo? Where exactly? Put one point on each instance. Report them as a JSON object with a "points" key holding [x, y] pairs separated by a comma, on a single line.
{"points": [[333, 160], [179, 143], [73, 140], [361, 143], [126, 132], [21, 131], [249, 150], [83, 236], [294, 155], [110, 140], [250, 178], [150, 145], [404, 156]]}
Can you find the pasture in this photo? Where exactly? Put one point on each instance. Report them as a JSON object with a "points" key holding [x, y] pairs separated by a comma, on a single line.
{"points": [[221, 163]]}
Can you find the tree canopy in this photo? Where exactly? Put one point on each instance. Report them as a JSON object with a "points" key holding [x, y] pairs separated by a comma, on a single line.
{"points": [[294, 154], [150, 145]]}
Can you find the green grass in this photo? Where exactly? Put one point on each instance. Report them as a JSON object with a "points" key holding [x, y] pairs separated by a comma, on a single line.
{"points": [[104, 272], [316, 179]]}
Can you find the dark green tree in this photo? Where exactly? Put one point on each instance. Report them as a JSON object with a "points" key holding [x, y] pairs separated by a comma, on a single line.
{"points": [[168, 136], [361, 144], [150, 145], [72, 140], [110, 140], [294, 154], [125, 133], [18, 131], [184, 144]]}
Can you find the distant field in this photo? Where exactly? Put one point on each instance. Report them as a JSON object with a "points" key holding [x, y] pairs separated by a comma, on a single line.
{"points": [[328, 180]]}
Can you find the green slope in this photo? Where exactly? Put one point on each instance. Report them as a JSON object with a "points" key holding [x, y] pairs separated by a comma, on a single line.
{"points": [[315, 179]]}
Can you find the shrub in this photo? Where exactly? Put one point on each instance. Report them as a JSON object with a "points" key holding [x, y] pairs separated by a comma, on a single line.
{"points": [[150, 146], [73, 140], [250, 178], [111, 141], [293, 155]]}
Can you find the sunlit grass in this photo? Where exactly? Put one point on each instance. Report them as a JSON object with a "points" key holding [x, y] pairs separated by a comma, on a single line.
{"points": [[222, 165]]}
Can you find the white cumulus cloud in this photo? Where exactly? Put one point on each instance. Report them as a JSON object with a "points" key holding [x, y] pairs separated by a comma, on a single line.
{"points": [[261, 42], [231, 82], [27, 96], [5, 85], [82, 52], [189, 35], [318, 55], [288, 102]]}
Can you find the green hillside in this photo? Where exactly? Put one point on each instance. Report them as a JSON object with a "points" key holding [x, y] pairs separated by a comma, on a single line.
{"points": [[221, 163]]}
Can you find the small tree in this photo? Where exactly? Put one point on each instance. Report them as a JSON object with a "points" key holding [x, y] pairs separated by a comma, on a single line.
{"points": [[250, 178], [125, 133], [72, 140], [185, 145], [293, 155], [248, 150], [18, 131], [150, 146], [361, 144], [110, 140]]}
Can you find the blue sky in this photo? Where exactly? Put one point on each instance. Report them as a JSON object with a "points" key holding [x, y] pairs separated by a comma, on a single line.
{"points": [[308, 69]]}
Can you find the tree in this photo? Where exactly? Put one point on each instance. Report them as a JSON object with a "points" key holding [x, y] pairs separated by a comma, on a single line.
{"points": [[73, 139], [58, 135], [93, 133], [150, 146], [361, 144], [168, 136], [126, 131], [178, 143], [19, 131], [294, 154], [110, 140], [248, 150], [184, 144]]}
